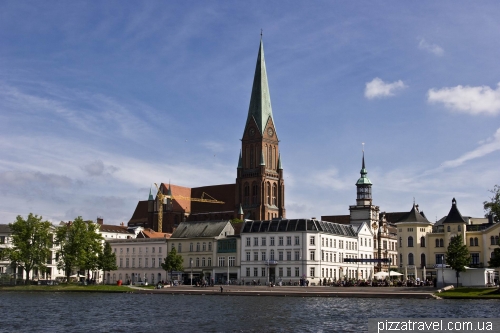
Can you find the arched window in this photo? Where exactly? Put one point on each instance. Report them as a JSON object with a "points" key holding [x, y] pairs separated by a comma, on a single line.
{"points": [[496, 240], [410, 241], [254, 193], [400, 241], [270, 157], [410, 259], [422, 241], [441, 242], [190, 247], [179, 248], [422, 260], [476, 241], [471, 241], [197, 247], [252, 158], [268, 193], [437, 242], [246, 194], [275, 189], [203, 261], [204, 246], [401, 259], [197, 262]]}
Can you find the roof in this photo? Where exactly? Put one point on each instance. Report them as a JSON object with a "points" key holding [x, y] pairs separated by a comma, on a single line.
{"points": [[113, 228], [150, 233], [4, 228], [140, 212], [285, 225], [393, 216], [454, 215], [341, 219], [260, 101], [413, 216], [200, 229]]}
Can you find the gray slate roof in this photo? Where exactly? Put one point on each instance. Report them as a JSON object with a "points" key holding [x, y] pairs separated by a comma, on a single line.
{"points": [[285, 225], [199, 229], [4, 229], [414, 216]]}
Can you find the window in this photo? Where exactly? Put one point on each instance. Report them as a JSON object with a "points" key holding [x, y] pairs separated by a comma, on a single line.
{"points": [[289, 271], [2, 240], [400, 259], [153, 262], [255, 271], [297, 271], [410, 241], [422, 241], [459, 227], [140, 262], [474, 258], [410, 259], [311, 240], [272, 241], [297, 255], [476, 241], [248, 241], [311, 255], [312, 271], [190, 247], [441, 242], [400, 241], [179, 248], [289, 240], [248, 256], [280, 272], [256, 256], [384, 246], [492, 238], [448, 228], [297, 240], [263, 256], [121, 262], [209, 261], [288, 255], [280, 255], [204, 246], [272, 255], [280, 241], [146, 263], [232, 261], [203, 261], [263, 271], [248, 271], [222, 261], [159, 249], [256, 241], [263, 241], [209, 246], [197, 247], [126, 262], [322, 241], [471, 241], [127, 249]]}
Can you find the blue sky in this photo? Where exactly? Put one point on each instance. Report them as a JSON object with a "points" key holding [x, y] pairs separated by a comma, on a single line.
{"points": [[98, 100]]}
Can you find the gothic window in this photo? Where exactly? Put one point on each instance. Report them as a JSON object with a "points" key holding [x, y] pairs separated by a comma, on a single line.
{"points": [[252, 159], [422, 241], [268, 185], [254, 193], [270, 157], [275, 202], [246, 194]]}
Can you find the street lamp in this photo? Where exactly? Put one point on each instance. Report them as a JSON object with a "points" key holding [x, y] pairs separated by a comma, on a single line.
{"points": [[191, 266]]}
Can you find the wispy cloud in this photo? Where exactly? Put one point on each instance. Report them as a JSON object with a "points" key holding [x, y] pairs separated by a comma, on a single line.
{"points": [[429, 47], [472, 100], [97, 168], [377, 88], [330, 178]]}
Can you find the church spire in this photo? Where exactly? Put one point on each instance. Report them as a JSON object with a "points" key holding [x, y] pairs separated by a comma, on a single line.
{"points": [[364, 185], [260, 101]]}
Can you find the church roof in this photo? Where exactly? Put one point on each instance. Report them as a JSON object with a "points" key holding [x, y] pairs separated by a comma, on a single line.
{"points": [[454, 215], [260, 100], [414, 216]]}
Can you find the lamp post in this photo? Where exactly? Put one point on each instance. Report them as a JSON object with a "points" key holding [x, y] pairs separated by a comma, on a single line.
{"points": [[191, 266]]}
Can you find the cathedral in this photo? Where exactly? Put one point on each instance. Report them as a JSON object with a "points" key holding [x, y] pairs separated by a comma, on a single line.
{"points": [[259, 190]]}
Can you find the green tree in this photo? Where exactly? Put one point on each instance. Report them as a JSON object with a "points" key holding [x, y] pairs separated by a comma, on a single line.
{"points": [[107, 260], [80, 245], [31, 243], [457, 255], [173, 262], [495, 258], [493, 207]]}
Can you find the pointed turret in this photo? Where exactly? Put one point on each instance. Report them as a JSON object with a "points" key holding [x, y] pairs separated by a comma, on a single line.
{"points": [[260, 101], [240, 161], [279, 162], [150, 198], [454, 216], [364, 186]]}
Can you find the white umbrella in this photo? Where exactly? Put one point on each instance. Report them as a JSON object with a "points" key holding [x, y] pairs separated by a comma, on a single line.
{"points": [[392, 273], [381, 275]]}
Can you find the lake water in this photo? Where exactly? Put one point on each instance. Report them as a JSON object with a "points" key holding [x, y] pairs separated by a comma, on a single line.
{"points": [[100, 312]]}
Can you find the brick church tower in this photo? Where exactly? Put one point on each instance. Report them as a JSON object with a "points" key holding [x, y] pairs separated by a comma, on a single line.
{"points": [[260, 187]]}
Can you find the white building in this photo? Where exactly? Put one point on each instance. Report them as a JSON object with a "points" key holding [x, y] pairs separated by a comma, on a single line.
{"points": [[288, 250]]}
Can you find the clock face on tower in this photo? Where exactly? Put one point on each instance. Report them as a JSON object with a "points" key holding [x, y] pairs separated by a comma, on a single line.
{"points": [[251, 131], [270, 131]]}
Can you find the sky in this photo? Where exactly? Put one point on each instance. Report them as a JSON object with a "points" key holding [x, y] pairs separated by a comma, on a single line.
{"points": [[101, 99]]}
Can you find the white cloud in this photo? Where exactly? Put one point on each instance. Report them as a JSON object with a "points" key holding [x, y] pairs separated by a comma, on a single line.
{"points": [[472, 100], [431, 48], [330, 179], [97, 168], [489, 146], [378, 88]]}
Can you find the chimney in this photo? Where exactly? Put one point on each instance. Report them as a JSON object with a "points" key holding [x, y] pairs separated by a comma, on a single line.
{"points": [[100, 220]]}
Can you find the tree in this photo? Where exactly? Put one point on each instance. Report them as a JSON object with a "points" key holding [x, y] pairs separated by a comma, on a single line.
{"points": [[80, 245], [493, 207], [495, 258], [457, 255], [173, 262], [107, 260], [31, 243]]}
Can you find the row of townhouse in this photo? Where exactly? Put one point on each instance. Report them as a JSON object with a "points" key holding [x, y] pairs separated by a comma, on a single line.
{"points": [[254, 251]]}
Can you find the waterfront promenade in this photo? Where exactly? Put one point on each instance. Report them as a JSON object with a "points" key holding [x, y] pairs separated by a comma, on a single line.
{"points": [[287, 291]]}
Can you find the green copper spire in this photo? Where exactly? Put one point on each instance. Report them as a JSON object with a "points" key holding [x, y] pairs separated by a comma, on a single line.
{"points": [[150, 195], [279, 162], [260, 100], [262, 160], [240, 162], [363, 180]]}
